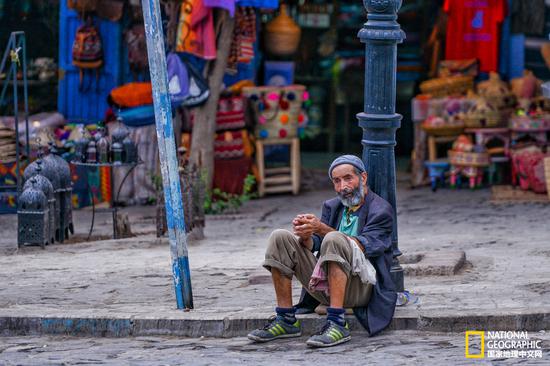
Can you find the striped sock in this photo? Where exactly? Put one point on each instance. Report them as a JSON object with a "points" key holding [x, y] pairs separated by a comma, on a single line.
{"points": [[336, 315], [287, 314]]}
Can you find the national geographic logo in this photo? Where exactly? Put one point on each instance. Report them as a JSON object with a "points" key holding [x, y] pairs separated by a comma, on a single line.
{"points": [[475, 335], [501, 344]]}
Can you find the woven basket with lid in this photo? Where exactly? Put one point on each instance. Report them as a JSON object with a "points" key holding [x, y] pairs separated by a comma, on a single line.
{"points": [[446, 86], [282, 34], [482, 114], [496, 92]]}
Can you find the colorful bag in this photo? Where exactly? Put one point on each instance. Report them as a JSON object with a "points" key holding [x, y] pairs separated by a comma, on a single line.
{"points": [[87, 49], [536, 177], [230, 114], [229, 144], [178, 78], [198, 87], [278, 109]]}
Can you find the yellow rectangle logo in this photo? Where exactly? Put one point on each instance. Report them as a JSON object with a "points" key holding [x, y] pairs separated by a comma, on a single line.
{"points": [[479, 333]]}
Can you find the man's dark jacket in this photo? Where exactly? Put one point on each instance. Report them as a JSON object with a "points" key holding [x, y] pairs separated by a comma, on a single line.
{"points": [[374, 233]]}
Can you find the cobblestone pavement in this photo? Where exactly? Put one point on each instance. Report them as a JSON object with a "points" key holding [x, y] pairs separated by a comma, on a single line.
{"points": [[507, 249], [390, 348]]}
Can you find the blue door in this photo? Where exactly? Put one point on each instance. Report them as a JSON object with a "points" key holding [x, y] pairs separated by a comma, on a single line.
{"points": [[90, 104]]}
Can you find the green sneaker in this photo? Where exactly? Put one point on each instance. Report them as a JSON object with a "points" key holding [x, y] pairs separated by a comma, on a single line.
{"points": [[331, 335], [277, 328]]}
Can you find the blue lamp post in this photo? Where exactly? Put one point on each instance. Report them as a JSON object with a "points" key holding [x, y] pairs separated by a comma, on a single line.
{"points": [[381, 34], [167, 154]]}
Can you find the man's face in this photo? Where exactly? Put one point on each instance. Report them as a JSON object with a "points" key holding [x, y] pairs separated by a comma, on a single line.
{"points": [[348, 184]]}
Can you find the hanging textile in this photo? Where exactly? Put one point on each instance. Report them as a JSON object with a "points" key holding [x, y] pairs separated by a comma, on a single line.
{"points": [[229, 5], [244, 36], [263, 4], [196, 33], [473, 30], [528, 17]]}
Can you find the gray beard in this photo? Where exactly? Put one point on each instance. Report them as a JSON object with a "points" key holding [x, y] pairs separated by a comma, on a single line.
{"points": [[356, 198]]}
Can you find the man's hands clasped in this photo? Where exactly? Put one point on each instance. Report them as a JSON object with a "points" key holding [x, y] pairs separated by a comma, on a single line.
{"points": [[305, 225]]}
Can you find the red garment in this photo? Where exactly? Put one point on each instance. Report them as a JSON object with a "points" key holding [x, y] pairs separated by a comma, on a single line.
{"points": [[196, 33], [473, 30]]}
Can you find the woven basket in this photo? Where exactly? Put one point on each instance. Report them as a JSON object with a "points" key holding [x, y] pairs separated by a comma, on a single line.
{"points": [[496, 92], [528, 123], [282, 35], [547, 174], [449, 130], [464, 158], [482, 114], [446, 86], [278, 110]]}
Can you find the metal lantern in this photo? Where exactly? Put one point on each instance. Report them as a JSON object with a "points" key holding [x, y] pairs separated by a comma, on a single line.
{"points": [[65, 200], [81, 147], [117, 151], [48, 171], [32, 217], [102, 146], [130, 150], [91, 152], [120, 133], [43, 184]]}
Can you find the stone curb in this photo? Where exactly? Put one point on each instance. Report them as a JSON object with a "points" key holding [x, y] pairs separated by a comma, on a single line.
{"points": [[224, 327]]}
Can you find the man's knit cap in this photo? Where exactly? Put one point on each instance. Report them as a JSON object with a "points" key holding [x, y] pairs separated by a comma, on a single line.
{"points": [[347, 159]]}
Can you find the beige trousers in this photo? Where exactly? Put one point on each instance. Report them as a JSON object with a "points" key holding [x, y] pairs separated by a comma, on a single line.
{"points": [[285, 253]]}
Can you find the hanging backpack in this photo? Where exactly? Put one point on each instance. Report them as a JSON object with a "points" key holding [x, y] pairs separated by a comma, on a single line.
{"points": [[198, 87], [178, 79], [137, 49], [87, 50]]}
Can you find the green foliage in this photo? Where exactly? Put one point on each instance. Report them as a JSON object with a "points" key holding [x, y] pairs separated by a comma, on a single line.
{"points": [[217, 202], [156, 180]]}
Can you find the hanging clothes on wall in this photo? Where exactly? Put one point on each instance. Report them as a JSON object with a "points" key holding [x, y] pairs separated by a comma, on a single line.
{"points": [[196, 33], [512, 51], [244, 37], [229, 5], [473, 30], [528, 17], [263, 4]]}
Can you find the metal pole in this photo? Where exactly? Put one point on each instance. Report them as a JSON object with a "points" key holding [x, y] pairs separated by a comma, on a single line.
{"points": [[25, 95], [14, 61], [167, 154], [381, 34]]}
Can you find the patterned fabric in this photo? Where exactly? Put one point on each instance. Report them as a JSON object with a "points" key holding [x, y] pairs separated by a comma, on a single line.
{"points": [[231, 113], [196, 33], [229, 145], [244, 36]]}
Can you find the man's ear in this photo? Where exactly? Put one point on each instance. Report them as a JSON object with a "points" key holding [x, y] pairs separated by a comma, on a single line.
{"points": [[364, 175]]}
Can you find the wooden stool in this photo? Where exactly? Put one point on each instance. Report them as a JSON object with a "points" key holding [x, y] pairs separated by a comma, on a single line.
{"points": [[436, 170], [283, 179]]}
